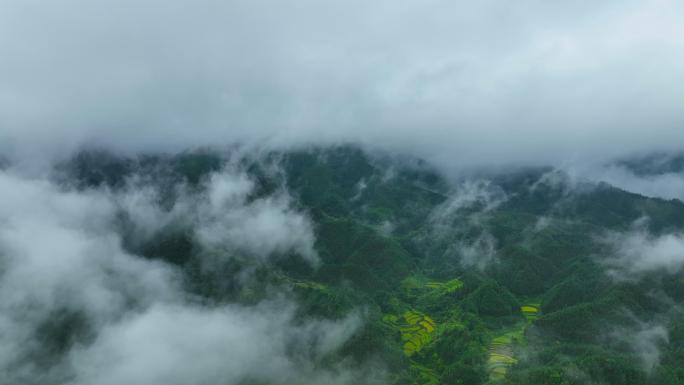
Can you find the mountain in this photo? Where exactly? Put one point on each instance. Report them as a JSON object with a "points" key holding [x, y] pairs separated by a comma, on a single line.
{"points": [[521, 277]]}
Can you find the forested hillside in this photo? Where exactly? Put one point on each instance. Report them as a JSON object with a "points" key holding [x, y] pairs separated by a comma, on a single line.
{"points": [[527, 276]]}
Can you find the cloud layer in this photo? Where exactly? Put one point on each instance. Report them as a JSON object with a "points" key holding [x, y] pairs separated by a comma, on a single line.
{"points": [[637, 252], [77, 308], [223, 215], [454, 81], [228, 345]]}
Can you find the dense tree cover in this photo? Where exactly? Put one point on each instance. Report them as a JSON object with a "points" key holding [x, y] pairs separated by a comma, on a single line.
{"points": [[392, 248]]}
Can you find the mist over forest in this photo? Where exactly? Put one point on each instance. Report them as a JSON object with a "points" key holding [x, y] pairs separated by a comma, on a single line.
{"points": [[325, 192]]}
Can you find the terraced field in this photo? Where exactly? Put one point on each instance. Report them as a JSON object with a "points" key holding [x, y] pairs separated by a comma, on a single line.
{"points": [[531, 311], [501, 355], [501, 349], [446, 287], [416, 332]]}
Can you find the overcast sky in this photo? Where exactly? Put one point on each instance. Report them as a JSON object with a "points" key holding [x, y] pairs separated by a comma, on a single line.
{"points": [[473, 82]]}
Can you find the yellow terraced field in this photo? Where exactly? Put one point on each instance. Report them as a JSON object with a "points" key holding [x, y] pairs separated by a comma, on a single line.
{"points": [[496, 358], [498, 374], [530, 311], [500, 357], [503, 340], [448, 287], [418, 333], [416, 330], [501, 351]]}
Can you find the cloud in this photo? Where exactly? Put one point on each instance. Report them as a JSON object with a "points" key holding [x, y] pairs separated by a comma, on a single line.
{"points": [[478, 253], [644, 339], [646, 344], [454, 222], [224, 215], [481, 195], [57, 254], [460, 83], [666, 185], [227, 345], [264, 226], [77, 308], [637, 252]]}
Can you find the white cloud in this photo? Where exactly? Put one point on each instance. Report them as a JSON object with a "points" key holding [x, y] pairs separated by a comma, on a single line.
{"points": [[227, 345], [262, 227], [637, 251], [60, 254], [480, 194], [644, 339], [57, 253], [462, 212], [668, 185], [456, 82], [224, 215], [478, 253], [646, 342]]}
